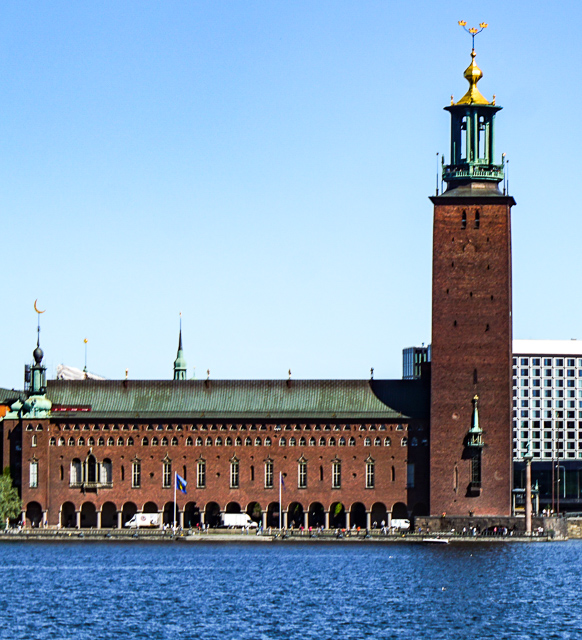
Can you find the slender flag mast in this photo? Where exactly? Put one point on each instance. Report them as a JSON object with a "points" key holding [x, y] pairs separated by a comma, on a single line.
{"points": [[175, 487], [280, 501]]}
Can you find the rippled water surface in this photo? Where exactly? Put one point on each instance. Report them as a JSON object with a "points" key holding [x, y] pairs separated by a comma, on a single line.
{"points": [[100, 590]]}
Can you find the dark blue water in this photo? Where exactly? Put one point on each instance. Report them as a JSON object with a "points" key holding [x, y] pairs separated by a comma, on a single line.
{"points": [[281, 590]]}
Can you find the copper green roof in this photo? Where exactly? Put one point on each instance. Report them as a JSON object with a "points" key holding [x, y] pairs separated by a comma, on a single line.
{"points": [[316, 399], [8, 396]]}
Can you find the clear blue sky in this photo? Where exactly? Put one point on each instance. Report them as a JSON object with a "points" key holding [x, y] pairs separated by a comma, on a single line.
{"points": [[265, 167]]}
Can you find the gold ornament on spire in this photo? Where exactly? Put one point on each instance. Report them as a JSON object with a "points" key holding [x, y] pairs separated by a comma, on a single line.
{"points": [[472, 73]]}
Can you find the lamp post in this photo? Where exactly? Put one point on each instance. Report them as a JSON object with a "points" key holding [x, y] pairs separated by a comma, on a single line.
{"points": [[528, 458]]}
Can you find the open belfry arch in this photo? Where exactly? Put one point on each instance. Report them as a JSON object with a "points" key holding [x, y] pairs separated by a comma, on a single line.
{"points": [[470, 414]]}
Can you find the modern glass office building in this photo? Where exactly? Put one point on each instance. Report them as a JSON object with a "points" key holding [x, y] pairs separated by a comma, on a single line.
{"points": [[547, 415], [547, 398], [412, 359]]}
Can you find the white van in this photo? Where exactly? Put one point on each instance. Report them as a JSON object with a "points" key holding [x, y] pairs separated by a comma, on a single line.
{"points": [[238, 520], [144, 520], [401, 524]]}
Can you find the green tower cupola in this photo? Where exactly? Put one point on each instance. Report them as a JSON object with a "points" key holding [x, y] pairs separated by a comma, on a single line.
{"points": [[180, 361], [472, 160]]}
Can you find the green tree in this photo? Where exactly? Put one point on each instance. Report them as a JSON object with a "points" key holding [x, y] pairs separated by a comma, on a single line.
{"points": [[10, 503]]}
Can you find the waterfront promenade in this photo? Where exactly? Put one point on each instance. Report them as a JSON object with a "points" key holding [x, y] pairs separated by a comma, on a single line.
{"points": [[274, 536]]}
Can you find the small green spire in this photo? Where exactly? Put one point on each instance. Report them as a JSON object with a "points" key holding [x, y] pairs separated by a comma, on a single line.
{"points": [[475, 437], [180, 361]]}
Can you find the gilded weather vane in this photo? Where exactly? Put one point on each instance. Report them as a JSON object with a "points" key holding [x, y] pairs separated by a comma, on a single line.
{"points": [[473, 31]]}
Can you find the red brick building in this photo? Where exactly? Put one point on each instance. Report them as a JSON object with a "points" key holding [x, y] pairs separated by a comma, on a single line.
{"points": [[94, 453], [347, 452]]}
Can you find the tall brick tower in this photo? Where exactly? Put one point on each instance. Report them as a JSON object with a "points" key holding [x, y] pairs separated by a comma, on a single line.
{"points": [[471, 320]]}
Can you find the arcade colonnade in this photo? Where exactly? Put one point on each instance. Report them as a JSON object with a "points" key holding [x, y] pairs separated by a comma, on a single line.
{"points": [[293, 515]]}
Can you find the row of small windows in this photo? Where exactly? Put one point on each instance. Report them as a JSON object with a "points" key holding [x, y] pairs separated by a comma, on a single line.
{"points": [[228, 441], [547, 382], [230, 427], [525, 413], [548, 393], [269, 475], [547, 362], [90, 471], [548, 403], [548, 373]]}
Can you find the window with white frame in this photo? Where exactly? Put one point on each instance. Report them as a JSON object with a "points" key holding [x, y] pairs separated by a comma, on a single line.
{"points": [[201, 473], [336, 474], [167, 473], [33, 474], [370, 473], [234, 473], [268, 474], [302, 474], [136, 474]]}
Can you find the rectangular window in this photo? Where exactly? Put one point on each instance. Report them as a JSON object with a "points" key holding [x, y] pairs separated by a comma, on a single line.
{"points": [[167, 475], [136, 474], [476, 470], [336, 474], [302, 475], [547, 362], [269, 474], [410, 475], [234, 474], [33, 474], [370, 474], [201, 474]]}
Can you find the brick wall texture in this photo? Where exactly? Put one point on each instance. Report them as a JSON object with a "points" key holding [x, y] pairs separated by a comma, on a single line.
{"points": [[471, 353]]}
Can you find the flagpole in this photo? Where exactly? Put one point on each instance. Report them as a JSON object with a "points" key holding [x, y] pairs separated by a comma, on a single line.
{"points": [[175, 483], [280, 508]]}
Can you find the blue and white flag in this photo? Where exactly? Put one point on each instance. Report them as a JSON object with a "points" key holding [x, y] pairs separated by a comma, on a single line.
{"points": [[181, 483]]}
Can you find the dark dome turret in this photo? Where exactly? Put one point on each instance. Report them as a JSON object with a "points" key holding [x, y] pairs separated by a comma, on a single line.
{"points": [[38, 354]]}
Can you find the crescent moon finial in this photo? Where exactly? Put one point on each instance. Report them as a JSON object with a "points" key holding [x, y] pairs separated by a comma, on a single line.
{"points": [[36, 308]]}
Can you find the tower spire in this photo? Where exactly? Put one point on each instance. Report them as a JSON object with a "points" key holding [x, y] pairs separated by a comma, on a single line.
{"points": [[180, 361], [38, 370], [472, 161]]}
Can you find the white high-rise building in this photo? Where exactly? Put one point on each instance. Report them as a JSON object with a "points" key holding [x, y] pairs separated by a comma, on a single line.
{"points": [[547, 399]]}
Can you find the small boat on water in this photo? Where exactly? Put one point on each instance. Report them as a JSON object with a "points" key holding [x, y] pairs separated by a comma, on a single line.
{"points": [[436, 540]]}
